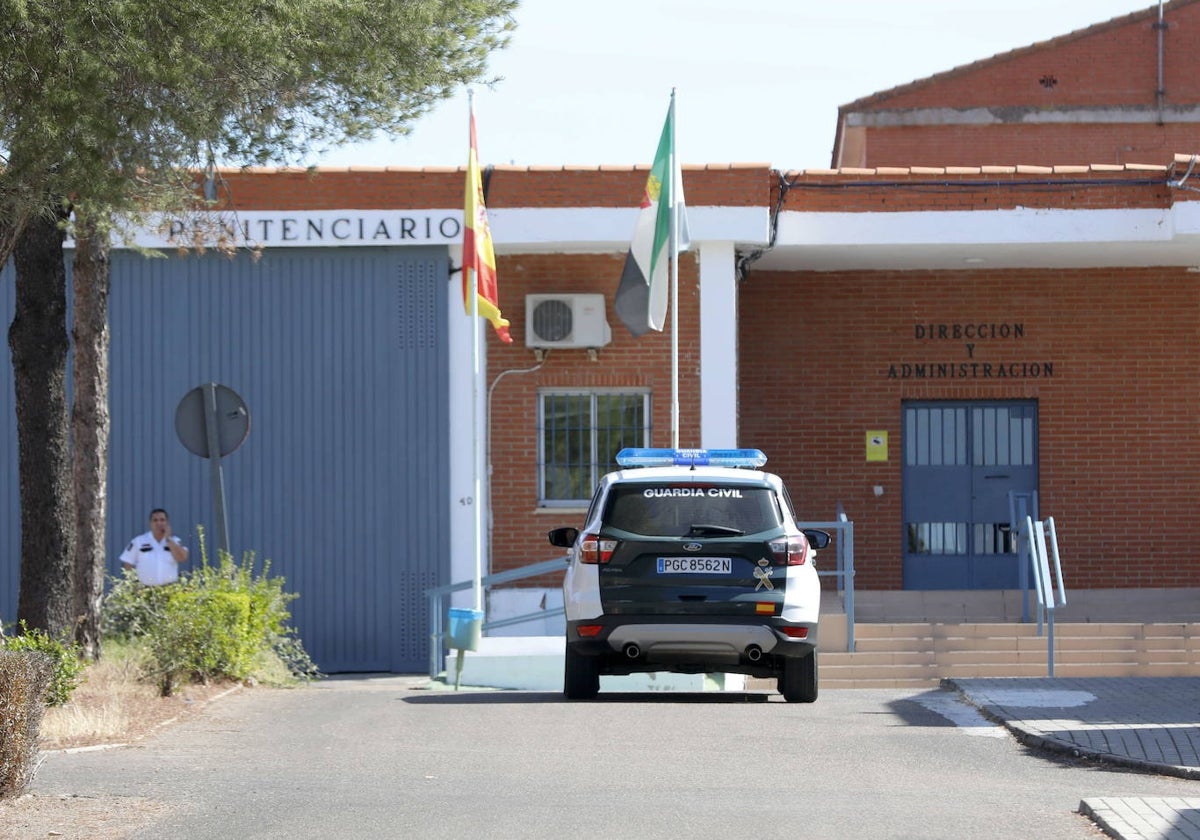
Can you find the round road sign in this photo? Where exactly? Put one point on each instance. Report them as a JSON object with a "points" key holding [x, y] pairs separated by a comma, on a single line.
{"points": [[232, 420]]}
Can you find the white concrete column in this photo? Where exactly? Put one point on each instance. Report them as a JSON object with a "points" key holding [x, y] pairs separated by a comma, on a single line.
{"points": [[462, 475], [718, 345]]}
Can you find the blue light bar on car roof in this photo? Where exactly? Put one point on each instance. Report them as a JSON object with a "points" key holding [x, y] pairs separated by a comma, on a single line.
{"points": [[637, 457]]}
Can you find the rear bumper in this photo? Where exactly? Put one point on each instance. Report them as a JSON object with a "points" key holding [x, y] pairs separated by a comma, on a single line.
{"points": [[628, 644]]}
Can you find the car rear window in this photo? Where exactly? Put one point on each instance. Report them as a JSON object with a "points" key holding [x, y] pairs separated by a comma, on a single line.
{"points": [[670, 510]]}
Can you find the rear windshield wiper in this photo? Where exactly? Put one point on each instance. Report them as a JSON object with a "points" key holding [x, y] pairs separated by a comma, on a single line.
{"points": [[714, 531]]}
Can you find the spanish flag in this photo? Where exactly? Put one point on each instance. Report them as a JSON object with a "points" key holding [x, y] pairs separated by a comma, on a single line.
{"points": [[478, 255]]}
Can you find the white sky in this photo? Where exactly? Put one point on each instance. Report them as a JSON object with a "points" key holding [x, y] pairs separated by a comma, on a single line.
{"points": [[757, 80]]}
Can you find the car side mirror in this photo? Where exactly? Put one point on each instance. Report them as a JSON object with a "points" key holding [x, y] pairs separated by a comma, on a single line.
{"points": [[817, 539], [563, 537]]}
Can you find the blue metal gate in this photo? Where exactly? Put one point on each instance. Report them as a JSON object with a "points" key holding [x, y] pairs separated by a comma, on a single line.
{"points": [[340, 355], [961, 460]]}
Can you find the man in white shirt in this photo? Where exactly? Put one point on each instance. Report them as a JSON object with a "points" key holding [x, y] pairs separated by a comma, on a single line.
{"points": [[155, 554]]}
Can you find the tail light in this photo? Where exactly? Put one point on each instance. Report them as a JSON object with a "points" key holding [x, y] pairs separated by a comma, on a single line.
{"points": [[593, 550], [792, 551]]}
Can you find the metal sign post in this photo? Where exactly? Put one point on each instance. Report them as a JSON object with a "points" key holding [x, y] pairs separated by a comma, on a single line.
{"points": [[212, 421], [214, 460]]}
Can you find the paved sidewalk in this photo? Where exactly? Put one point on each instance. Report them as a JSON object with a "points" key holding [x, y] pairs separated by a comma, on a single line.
{"points": [[1149, 724]]}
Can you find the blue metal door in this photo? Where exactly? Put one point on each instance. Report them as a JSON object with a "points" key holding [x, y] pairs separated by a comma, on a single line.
{"points": [[340, 354], [961, 461]]}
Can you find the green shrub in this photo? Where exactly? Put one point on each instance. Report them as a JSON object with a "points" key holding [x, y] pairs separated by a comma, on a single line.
{"points": [[287, 652], [218, 622], [25, 677], [130, 608], [206, 635], [68, 668]]}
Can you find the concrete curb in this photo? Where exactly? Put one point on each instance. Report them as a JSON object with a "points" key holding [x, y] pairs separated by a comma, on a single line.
{"points": [[1144, 818], [1035, 738]]}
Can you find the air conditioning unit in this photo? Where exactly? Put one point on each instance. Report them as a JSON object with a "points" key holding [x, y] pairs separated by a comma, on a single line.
{"points": [[570, 320]]}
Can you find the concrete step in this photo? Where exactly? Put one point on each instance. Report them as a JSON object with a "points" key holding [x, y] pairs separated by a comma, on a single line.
{"points": [[854, 673], [879, 682], [925, 652], [1129, 605], [876, 659]]}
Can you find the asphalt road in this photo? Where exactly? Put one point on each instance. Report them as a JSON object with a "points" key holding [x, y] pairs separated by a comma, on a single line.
{"points": [[389, 758]]}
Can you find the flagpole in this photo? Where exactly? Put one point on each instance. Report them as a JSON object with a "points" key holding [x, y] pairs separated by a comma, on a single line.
{"points": [[476, 367], [674, 281]]}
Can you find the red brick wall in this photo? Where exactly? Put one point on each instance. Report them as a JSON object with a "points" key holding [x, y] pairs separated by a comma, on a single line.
{"points": [[1119, 465], [736, 185], [956, 145], [1111, 66], [1072, 187], [519, 535], [984, 188]]}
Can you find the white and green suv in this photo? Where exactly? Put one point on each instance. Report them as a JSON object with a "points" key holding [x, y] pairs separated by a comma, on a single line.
{"points": [[691, 561]]}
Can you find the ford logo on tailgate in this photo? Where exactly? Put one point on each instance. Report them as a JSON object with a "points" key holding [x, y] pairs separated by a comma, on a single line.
{"points": [[692, 546]]}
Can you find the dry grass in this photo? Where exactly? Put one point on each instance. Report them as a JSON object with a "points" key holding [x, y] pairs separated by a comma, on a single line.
{"points": [[115, 705]]}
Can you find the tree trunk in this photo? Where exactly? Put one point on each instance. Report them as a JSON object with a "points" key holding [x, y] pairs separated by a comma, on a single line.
{"points": [[90, 424], [38, 341]]}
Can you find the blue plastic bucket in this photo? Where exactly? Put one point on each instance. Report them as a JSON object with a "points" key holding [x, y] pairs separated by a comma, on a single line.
{"points": [[465, 628]]}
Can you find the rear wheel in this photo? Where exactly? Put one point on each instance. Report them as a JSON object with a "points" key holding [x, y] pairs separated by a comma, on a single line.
{"points": [[581, 676], [798, 683]]}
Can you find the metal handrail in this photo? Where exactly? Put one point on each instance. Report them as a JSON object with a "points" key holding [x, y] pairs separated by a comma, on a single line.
{"points": [[1051, 591], [437, 606], [844, 571]]}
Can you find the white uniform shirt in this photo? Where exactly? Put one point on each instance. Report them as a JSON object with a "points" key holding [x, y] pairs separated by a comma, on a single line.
{"points": [[152, 559]]}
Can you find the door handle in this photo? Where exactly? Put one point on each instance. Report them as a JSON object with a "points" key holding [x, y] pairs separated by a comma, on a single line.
{"points": [[997, 476]]}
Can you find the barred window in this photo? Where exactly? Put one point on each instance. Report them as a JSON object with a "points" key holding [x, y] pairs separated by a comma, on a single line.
{"points": [[937, 537], [579, 436]]}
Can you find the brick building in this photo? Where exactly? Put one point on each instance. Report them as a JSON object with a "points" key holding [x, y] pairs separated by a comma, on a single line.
{"points": [[969, 306], [1123, 91]]}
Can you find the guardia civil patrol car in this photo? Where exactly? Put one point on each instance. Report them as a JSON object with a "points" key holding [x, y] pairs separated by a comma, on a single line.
{"points": [[691, 561]]}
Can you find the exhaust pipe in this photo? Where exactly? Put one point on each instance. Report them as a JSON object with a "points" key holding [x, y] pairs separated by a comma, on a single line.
{"points": [[632, 651], [754, 653]]}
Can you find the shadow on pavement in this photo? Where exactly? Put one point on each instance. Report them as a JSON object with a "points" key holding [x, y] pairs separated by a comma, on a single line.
{"points": [[495, 697]]}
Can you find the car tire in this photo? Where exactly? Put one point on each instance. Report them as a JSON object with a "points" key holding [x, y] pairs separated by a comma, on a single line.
{"points": [[798, 683], [581, 676]]}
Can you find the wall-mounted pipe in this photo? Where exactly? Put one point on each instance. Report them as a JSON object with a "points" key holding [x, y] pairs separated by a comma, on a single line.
{"points": [[1161, 93]]}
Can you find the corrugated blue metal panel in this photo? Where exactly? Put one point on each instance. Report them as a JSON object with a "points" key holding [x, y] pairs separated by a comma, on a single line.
{"points": [[340, 357]]}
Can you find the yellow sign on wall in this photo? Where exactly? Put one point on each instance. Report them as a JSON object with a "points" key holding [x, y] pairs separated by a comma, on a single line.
{"points": [[877, 446]]}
